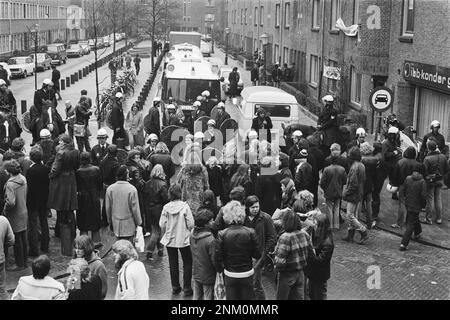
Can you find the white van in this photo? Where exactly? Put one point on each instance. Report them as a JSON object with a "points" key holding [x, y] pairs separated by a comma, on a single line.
{"points": [[281, 106]]}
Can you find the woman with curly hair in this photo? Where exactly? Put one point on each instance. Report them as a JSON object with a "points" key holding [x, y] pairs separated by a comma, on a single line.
{"points": [[237, 245], [193, 179], [242, 178]]}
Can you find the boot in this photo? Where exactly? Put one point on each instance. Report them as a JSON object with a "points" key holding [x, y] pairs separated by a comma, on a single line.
{"points": [[349, 237], [364, 236]]}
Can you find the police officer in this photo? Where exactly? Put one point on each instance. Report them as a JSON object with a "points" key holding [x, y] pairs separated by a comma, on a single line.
{"points": [[328, 121], [99, 151], [436, 136]]}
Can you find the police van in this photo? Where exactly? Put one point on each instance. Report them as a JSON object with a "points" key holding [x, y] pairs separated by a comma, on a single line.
{"points": [[185, 79], [185, 50], [281, 106]]}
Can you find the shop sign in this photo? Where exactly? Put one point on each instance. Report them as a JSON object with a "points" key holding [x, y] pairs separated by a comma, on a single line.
{"points": [[427, 75]]}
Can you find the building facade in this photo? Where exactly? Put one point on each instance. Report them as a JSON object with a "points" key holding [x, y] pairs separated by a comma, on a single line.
{"points": [[201, 16], [374, 44], [51, 20]]}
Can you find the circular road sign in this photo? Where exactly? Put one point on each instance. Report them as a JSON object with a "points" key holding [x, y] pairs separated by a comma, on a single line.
{"points": [[381, 99]]}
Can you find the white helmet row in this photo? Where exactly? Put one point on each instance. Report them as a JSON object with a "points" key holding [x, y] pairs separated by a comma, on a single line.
{"points": [[435, 124], [360, 131], [393, 130], [297, 133], [328, 98]]}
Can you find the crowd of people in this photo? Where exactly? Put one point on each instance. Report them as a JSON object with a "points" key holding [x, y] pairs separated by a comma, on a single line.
{"points": [[228, 220]]}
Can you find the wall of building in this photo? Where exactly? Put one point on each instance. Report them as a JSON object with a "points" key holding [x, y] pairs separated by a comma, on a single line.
{"points": [[17, 19], [430, 45]]}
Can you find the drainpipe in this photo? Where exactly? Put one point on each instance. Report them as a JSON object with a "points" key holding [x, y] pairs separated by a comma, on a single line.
{"points": [[281, 31], [322, 50]]}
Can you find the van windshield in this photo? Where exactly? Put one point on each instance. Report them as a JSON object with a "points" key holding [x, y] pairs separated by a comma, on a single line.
{"points": [[275, 110], [52, 49], [186, 91]]}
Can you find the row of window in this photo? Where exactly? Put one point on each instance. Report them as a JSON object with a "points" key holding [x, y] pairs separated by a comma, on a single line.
{"points": [[30, 11], [407, 17], [23, 41]]}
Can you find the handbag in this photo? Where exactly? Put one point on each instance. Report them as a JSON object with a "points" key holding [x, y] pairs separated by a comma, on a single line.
{"points": [[219, 288], [140, 243], [79, 130]]}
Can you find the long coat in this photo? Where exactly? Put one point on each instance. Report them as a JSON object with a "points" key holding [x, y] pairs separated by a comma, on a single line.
{"points": [[233, 78], [63, 183], [89, 186], [38, 183], [16, 203], [268, 190], [192, 186], [155, 198]]}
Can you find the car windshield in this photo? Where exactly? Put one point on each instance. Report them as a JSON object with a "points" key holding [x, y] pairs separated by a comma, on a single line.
{"points": [[275, 110], [17, 60], [186, 91], [74, 46]]}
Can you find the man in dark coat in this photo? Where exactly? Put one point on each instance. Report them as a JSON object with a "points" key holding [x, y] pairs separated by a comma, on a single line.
{"points": [[108, 169], [222, 115], [44, 94], [277, 75], [151, 121], [254, 74], [99, 151], [56, 75], [44, 99], [328, 122], [37, 195], [233, 78], [63, 190], [118, 119], [82, 115]]}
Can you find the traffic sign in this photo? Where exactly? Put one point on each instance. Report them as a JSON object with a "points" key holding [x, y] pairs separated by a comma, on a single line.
{"points": [[381, 99]]}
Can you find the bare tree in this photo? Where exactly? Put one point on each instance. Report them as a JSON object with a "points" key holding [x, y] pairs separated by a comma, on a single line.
{"points": [[157, 14]]}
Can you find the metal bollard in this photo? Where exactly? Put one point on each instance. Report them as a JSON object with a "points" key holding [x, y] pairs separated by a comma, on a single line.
{"points": [[23, 106], [75, 75], [72, 79], [63, 84], [68, 81], [80, 74]]}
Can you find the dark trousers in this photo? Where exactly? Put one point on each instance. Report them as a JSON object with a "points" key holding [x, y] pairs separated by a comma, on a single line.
{"points": [[291, 285], [67, 225], [412, 225], [83, 143], [119, 134], [377, 186], [21, 248], [38, 216], [138, 68], [186, 256], [239, 288], [317, 289]]}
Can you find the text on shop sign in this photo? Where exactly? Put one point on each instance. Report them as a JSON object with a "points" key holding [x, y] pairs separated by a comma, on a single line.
{"points": [[427, 75]]}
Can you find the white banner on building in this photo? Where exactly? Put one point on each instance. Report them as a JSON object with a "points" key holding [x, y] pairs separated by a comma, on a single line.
{"points": [[74, 16], [332, 72], [350, 31]]}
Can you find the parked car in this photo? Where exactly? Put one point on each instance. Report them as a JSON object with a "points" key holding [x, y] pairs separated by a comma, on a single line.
{"points": [[44, 61], [224, 72], [21, 66], [100, 43], [106, 42], [58, 53], [118, 37], [84, 44], [74, 50], [6, 67], [91, 44]]}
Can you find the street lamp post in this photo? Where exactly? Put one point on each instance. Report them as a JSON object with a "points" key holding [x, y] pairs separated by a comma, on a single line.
{"points": [[227, 32], [35, 31], [265, 39]]}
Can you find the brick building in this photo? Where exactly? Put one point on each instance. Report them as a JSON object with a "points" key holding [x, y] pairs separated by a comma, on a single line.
{"points": [[201, 16], [60, 20], [389, 34], [419, 63]]}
